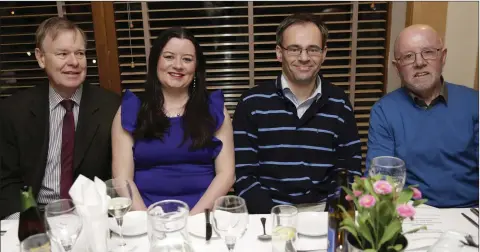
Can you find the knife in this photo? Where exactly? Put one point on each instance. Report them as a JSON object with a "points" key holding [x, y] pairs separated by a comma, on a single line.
{"points": [[208, 226]]}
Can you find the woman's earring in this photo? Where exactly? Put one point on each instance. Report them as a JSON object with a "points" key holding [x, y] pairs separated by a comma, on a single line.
{"points": [[193, 88]]}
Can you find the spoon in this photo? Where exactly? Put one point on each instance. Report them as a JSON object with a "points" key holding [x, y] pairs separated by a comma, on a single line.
{"points": [[264, 236]]}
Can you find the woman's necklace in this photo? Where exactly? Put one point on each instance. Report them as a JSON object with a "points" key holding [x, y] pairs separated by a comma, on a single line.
{"points": [[173, 115]]}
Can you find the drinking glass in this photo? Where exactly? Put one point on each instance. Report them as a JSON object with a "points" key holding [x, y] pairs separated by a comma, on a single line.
{"points": [[230, 219], [284, 228], [167, 226], [119, 204], [38, 243], [62, 222], [389, 166]]}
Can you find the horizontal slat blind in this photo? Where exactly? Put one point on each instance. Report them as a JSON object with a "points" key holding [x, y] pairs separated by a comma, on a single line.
{"points": [[371, 59], [131, 45], [18, 23]]}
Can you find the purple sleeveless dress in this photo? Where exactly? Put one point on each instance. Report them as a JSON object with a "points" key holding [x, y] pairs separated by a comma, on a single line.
{"points": [[165, 170]]}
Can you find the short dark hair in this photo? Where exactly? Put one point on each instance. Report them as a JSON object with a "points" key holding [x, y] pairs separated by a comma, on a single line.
{"points": [[302, 18]]}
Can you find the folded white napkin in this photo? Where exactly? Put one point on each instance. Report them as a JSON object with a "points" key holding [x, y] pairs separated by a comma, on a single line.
{"points": [[91, 201]]}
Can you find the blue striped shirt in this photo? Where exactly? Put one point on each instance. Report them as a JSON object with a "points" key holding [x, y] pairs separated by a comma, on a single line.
{"points": [[283, 158]]}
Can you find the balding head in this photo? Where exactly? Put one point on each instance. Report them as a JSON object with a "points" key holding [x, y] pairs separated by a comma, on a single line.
{"points": [[418, 33], [419, 58]]}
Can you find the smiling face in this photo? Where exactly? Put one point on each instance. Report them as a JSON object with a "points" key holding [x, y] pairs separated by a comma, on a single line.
{"points": [[63, 59], [423, 74], [177, 64], [301, 69]]}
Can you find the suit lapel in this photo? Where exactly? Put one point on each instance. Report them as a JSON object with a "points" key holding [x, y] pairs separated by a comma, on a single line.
{"points": [[38, 134], [87, 125]]}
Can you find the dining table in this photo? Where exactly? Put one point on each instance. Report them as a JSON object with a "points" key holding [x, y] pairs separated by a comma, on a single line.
{"points": [[436, 220]]}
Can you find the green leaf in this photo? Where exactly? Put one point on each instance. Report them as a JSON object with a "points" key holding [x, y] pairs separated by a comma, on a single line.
{"points": [[415, 230], [397, 247], [353, 232], [366, 233], [369, 189], [370, 250], [348, 191], [392, 229], [419, 202], [405, 196], [377, 177]]}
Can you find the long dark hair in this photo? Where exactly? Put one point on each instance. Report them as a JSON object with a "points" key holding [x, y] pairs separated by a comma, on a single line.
{"points": [[198, 123]]}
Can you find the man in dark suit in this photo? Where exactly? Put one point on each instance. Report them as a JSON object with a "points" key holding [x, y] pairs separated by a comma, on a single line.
{"points": [[54, 132]]}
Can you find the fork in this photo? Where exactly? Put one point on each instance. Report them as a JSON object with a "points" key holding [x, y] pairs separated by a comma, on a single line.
{"points": [[470, 242]]}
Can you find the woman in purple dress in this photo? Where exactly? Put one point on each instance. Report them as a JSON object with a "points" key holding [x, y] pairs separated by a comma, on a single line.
{"points": [[178, 142]]}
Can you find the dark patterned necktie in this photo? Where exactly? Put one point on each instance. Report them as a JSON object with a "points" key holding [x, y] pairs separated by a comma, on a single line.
{"points": [[68, 140]]}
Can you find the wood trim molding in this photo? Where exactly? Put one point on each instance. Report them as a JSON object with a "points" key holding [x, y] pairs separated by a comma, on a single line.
{"points": [[430, 13], [475, 85], [106, 45], [387, 60], [353, 54]]}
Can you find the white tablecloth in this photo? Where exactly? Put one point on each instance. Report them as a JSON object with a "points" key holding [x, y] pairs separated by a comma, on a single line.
{"points": [[440, 219]]}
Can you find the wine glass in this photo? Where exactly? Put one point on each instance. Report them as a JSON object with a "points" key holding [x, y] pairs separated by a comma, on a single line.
{"points": [[389, 166], [284, 228], [230, 219], [39, 243], [119, 204], [62, 222]]}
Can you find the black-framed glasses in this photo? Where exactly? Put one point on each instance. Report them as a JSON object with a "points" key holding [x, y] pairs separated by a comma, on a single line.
{"points": [[410, 57], [297, 51]]}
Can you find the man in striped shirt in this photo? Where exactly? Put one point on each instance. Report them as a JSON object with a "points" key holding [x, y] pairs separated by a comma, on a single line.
{"points": [[53, 132], [293, 133]]}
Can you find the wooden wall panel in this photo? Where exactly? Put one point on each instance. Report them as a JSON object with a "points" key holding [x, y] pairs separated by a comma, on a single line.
{"points": [[106, 45], [430, 13]]}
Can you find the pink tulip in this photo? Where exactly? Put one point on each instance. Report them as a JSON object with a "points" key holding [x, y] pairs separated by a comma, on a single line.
{"points": [[416, 194], [406, 210], [382, 187], [367, 201], [357, 193], [348, 197]]}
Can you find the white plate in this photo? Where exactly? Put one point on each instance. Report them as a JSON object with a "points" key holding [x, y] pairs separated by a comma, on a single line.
{"points": [[134, 223], [196, 226], [312, 223]]}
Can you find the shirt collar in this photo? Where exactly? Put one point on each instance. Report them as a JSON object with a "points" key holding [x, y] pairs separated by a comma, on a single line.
{"points": [[318, 90], [443, 96], [55, 98]]}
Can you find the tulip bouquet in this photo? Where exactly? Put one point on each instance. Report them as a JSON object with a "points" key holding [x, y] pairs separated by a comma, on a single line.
{"points": [[380, 213]]}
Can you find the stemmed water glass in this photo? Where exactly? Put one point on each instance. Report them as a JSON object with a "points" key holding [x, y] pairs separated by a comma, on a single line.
{"points": [[230, 219], [62, 222], [120, 201], [389, 166]]}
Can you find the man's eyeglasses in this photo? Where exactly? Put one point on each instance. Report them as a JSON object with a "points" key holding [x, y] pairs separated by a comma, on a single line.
{"points": [[410, 57], [297, 51]]}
